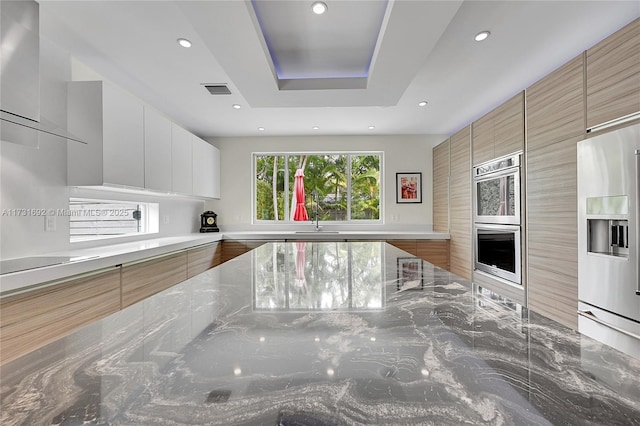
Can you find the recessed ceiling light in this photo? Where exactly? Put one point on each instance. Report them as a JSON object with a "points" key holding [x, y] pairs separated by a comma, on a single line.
{"points": [[319, 7], [236, 106], [482, 35], [316, 128], [422, 103], [184, 43], [261, 129], [372, 127]]}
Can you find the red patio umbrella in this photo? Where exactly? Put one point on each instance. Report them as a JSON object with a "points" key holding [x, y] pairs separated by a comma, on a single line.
{"points": [[300, 212], [301, 280]]}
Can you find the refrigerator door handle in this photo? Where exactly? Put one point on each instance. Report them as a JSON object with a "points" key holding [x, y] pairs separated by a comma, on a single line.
{"points": [[637, 224], [592, 317]]}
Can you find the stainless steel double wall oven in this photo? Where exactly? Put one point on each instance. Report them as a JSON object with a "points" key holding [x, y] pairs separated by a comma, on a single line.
{"points": [[496, 217]]}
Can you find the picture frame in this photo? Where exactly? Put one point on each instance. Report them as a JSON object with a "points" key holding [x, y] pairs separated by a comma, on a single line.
{"points": [[410, 276], [409, 187]]}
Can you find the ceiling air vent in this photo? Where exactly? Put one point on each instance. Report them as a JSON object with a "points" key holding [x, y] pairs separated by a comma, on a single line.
{"points": [[218, 89]]}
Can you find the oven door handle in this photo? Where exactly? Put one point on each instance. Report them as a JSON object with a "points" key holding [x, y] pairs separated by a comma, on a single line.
{"points": [[590, 315]]}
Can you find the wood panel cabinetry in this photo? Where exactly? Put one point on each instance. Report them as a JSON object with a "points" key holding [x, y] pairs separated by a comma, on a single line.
{"points": [[231, 249], [35, 318], [460, 204], [202, 258], [500, 132], [433, 251], [441, 187], [555, 105], [552, 280], [143, 279], [613, 76]]}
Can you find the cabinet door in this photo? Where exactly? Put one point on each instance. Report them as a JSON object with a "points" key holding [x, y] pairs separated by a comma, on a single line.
{"points": [[552, 229], [206, 169], [157, 151], [460, 204], [613, 76], [181, 160], [143, 279], [123, 144], [435, 252], [35, 318], [410, 246], [441, 187], [555, 105], [203, 258], [508, 126], [483, 136]]}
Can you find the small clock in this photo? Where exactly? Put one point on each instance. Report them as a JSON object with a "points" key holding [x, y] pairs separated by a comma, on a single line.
{"points": [[208, 222]]}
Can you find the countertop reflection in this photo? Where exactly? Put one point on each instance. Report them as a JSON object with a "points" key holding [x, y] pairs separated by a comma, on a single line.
{"points": [[323, 334]]}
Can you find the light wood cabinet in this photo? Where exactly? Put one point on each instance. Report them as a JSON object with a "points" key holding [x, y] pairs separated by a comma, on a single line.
{"points": [[35, 318], [613, 76], [410, 246], [181, 160], [555, 105], [143, 279], [552, 279], [234, 248], [157, 151], [111, 122], [434, 251], [500, 132], [441, 187], [460, 204], [200, 259], [206, 169]]}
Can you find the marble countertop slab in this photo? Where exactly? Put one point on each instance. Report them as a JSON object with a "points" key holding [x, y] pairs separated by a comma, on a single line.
{"points": [[323, 334]]}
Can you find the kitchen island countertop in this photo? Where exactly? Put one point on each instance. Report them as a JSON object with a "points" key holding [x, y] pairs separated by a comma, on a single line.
{"points": [[323, 334]]}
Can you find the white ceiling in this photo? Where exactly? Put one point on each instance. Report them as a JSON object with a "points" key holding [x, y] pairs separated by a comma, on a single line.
{"points": [[424, 51]]}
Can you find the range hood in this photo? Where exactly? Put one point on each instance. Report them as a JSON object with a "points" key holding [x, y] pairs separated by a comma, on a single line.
{"points": [[20, 120]]}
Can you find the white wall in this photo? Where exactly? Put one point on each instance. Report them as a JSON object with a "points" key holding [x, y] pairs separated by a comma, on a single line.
{"points": [[401, 154], [36, 178]]}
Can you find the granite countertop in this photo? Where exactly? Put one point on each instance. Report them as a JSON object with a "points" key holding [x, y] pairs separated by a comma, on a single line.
{"points": [[59, 265], [323, 334]]}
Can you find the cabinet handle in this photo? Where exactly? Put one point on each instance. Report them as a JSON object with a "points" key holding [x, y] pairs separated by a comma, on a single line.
{"points": [[592, 317]]}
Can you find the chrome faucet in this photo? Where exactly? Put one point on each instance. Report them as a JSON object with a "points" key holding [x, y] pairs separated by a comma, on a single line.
{"points": [[316, 197]]}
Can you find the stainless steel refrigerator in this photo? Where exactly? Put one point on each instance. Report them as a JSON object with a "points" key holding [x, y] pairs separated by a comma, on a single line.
{"points": [[608, 238]]}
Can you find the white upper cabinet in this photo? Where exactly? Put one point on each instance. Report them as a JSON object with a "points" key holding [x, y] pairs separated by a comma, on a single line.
{"points": [[206, 169], [181, 160], [130, 145], [111, 122], [157, 151]]}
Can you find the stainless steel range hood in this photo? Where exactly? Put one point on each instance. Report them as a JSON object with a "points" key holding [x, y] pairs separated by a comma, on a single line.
{"points": [[20, 119]]}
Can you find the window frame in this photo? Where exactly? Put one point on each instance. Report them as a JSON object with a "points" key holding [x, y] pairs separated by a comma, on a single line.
{"points": [[150, 218], [287, 193]]}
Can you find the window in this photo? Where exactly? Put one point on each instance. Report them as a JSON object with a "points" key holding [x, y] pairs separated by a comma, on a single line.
{"points": [[91, 219], [347, 186]]}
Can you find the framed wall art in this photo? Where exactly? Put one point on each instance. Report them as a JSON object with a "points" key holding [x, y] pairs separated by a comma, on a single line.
{"points": [[409, 187]]}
